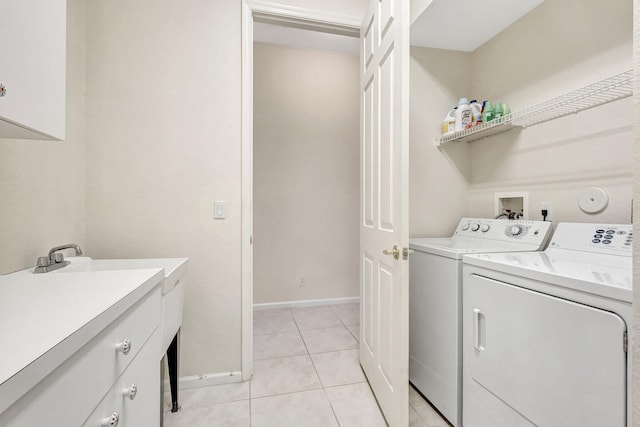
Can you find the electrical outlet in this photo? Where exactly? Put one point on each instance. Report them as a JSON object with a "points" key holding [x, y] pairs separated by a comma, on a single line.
{"points": [[301, 282], [547, 206]]}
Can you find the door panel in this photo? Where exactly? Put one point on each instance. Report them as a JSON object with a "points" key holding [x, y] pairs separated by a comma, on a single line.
{"points": [[367, 306], [384, 205], [386, 17], [368, 161], [385, 276], [386, 141]]}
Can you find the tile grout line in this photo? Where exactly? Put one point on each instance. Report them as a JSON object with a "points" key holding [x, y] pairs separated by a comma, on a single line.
{"points": [[315, 369], [310, 355], [324, 389], [347, 326]]}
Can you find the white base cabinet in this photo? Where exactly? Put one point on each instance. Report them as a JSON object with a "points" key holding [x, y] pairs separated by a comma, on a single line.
{"points": [[96, 381]]}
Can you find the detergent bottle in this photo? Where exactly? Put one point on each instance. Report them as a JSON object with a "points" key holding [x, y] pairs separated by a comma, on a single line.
{"points": [[476, 111], [463, 114], [449, 122]]}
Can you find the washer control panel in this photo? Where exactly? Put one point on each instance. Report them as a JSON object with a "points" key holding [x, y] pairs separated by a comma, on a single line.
{"points": [[524, 231], [604, 238], [613, 236]]}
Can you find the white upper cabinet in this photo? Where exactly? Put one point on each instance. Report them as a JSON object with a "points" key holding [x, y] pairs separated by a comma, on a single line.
{"points": [[33, 68], [463, 25]]}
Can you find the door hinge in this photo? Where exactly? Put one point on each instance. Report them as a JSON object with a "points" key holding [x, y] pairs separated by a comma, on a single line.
{"points": [[625, 341]]}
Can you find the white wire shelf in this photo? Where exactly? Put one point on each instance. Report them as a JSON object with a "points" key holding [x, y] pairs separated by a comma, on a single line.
{"points": [[608, 90]]}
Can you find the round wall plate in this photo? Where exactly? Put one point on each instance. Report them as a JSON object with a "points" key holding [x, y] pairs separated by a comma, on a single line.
{"points": [[593, 200]]}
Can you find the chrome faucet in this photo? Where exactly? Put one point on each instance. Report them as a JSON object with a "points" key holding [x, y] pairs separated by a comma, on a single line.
{"points": [[73, 246], [55, 260]]}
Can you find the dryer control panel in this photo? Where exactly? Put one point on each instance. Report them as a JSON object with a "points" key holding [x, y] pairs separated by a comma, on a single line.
{"points": [[604, 238], [519, 230]]}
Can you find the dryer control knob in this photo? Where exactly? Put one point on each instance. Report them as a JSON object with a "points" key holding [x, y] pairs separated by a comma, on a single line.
{"points": [[515, 230], [475, 227], [485, 228], [465, 227]]}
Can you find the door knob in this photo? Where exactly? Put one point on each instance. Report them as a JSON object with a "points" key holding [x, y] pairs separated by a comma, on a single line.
{"points": [[395, 252], [406, 252]]}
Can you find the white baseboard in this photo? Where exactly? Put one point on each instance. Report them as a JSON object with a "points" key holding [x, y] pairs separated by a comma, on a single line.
{"points": [[195, 381], [305, 303]]}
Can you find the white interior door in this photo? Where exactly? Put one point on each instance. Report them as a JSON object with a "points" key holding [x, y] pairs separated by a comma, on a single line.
{"points": [[384, 284]]}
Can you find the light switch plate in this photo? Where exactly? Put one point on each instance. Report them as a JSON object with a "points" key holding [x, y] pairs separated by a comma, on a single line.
{"points": [[219, 210]]}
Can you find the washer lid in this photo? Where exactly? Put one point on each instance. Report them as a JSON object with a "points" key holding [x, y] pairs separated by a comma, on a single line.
{"points": [[457, 246], [599, 274]]}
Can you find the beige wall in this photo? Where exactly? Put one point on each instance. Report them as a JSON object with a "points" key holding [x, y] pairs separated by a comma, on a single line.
{"points": [[560, 46], [306, 182], [163, 125], [438, 181], [42, 182], [164, 132]]}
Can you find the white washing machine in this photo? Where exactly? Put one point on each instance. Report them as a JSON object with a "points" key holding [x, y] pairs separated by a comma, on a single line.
{"points": [[435, 303], [545, 334]]}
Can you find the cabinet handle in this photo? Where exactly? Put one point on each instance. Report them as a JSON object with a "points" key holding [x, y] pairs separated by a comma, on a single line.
{"points": [[3, 89], [131, 391], [111, 421], [124, 347]]}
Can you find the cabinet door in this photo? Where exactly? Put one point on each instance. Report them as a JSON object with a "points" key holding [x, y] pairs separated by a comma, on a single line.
{"points": [[534, 359], [33, 68]]}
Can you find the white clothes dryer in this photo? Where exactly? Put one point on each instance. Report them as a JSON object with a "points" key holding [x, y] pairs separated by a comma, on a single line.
{"points": [[435, 301], [546, 333]]}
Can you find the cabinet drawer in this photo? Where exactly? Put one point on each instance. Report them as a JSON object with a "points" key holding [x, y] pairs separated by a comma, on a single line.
{"points": [[68, 395], [144, 409]]}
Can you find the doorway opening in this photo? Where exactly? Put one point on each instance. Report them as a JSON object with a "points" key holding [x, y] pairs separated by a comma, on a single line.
{"points": [[297, 152]]}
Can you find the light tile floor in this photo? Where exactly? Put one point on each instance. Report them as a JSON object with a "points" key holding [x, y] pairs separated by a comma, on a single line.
{"points": [[306, 373]]}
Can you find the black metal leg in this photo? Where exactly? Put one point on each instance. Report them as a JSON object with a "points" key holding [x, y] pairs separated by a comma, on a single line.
{"points": [[162, 392], [173, 359]]}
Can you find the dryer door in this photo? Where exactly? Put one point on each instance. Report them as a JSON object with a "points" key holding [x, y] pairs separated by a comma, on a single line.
{"points": [[534, 359]]}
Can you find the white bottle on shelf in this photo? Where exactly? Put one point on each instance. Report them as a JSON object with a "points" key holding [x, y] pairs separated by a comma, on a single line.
{"points": [[476, 112], [463, 114], [449, 122]]}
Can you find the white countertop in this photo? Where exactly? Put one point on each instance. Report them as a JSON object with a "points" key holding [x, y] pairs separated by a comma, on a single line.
{"points": [[45, 318], [174, 268]]}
